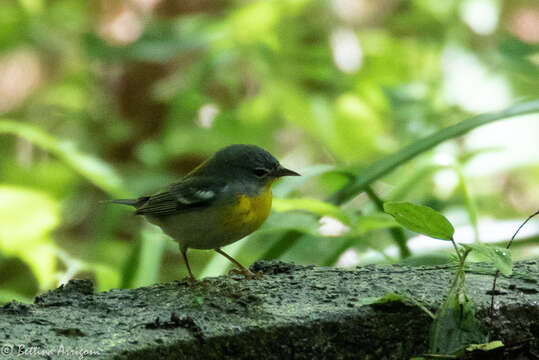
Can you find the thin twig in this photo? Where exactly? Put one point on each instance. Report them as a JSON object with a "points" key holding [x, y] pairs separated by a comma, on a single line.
{"points": [[493, 291]]}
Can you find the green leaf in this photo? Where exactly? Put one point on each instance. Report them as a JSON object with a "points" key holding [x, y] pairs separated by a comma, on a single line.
{"points": [[389, 297], [486, 347], [385, 165], [430, 259], [421, 219], [92, 168], [393, 297], [500, 257]]}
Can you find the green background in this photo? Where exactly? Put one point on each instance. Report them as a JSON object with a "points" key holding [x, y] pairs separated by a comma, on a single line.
{"points": [[103, 99]]}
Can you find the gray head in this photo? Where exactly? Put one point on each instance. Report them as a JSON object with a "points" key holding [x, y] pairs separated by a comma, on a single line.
{"points": [[246, 162]]}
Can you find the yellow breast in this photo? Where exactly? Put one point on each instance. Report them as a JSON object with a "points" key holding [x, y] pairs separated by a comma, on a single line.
{"points": [[248, 213]]}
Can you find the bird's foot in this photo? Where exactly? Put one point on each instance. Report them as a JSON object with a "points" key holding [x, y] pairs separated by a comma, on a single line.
{"points": [[248, 274]]}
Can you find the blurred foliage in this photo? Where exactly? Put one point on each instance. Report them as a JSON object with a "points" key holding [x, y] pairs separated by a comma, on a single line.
{"points": [[118, 98]]}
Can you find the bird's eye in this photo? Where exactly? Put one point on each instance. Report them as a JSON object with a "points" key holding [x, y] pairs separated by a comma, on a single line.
{"points": [[260, 172]]}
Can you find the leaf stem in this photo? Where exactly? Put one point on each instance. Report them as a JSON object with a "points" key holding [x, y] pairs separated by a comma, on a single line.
{"points": [[457, 251]]}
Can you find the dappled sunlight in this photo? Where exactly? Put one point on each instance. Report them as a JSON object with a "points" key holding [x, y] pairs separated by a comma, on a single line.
{"points": [[481, 15], [332, 227], [347, 52], [121, 26], [469, 84], [524, 24], [20, 74], [207, 114]]}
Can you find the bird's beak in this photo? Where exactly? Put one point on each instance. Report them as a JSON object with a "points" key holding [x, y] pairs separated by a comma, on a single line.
{"points": [[282, 171]]}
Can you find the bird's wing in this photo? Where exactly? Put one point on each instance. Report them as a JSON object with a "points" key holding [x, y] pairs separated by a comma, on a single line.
{"points": [[187, 194]]}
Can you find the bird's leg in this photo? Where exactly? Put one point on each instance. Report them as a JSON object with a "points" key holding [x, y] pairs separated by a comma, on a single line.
{"points": [[244, 270], [184, 253]]}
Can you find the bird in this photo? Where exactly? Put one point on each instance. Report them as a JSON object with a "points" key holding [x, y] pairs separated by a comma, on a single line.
{"points": [[219, 202]]}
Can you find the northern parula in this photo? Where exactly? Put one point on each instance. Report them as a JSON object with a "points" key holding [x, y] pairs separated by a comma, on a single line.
{"points": [[224, 199]]}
